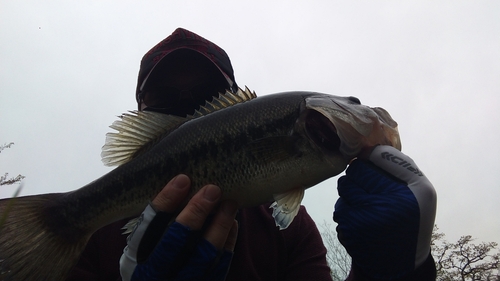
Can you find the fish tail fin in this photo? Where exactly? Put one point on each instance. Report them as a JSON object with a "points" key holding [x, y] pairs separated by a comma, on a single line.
{"points": [[34, 245]]}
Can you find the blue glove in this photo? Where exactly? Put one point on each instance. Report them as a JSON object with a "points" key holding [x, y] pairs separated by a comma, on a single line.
{"points": [[180, 254], [385, 214]]}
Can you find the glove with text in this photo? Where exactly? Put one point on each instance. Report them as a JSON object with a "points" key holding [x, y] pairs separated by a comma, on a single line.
{"points": [[385, 214], [177, 254]]}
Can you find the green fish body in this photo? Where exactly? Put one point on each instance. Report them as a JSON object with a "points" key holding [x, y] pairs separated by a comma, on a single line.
{"points": [[256, 150]]}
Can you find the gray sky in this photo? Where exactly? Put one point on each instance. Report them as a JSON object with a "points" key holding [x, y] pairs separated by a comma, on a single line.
{"points": [[68, 68]]}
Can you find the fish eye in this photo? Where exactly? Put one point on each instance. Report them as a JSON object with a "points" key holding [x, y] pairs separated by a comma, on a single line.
{"points": [[354, 100]]}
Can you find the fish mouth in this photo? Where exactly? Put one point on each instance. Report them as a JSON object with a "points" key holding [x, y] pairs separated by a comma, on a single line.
{"points": [[322, 131], [355, 126]]}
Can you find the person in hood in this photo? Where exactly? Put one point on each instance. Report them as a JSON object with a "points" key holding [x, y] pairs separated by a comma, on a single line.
{"points": [[177, 76], [209, 239]]}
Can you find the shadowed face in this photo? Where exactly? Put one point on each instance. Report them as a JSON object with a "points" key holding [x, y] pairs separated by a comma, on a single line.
{"points": [[182, 82]]}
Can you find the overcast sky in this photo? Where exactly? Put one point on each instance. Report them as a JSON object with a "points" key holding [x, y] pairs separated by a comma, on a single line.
{"points": [[68, 68]]}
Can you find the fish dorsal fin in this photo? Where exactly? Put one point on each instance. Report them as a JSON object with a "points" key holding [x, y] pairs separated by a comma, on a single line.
{"points": [[137, 131], [224, 100], [140, 130]]}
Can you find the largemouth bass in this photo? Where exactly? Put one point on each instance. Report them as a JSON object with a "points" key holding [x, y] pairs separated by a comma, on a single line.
{"points": [[256, 150]]}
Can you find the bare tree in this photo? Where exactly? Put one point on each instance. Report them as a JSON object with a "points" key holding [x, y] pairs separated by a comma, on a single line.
{"points": [[465, 260], [459, 261], [4, 180], [337, 257]]}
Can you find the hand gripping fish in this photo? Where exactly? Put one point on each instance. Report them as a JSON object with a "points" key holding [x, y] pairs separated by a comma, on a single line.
{"points": [[256, 150]]}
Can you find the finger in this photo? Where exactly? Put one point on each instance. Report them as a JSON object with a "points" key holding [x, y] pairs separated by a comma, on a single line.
{"points": [[362, 185], [350, 191], [218, 230], [369, 177], [172, 195], [199, 207], [232, 237]]}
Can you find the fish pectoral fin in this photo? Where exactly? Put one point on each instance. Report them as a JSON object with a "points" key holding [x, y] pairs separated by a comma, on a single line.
{"points": [[137, 132], [274, 149], [286, 207]]}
